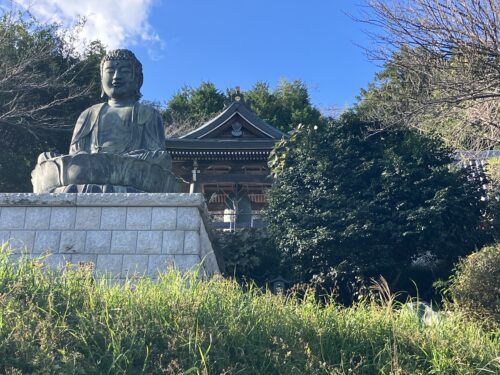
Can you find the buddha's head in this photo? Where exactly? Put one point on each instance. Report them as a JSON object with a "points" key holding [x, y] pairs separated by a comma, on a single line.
{"points": [[121, 75]]}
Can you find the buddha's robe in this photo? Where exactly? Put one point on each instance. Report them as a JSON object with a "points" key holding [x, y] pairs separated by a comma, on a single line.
{"points": [[107, 144], [137, 133]]}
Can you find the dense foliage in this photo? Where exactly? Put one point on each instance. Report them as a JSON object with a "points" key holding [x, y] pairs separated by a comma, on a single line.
{"points": [[350, 204], [475, 286], [69, 323], [492, 171], [44, 85], [284, 107], [190, 108], [249, 254]]}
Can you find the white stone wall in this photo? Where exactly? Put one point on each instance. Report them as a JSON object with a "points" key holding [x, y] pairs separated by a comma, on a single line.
{"points": [[122, 234]]}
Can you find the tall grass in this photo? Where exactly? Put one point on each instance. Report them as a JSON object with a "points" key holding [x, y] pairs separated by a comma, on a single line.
{"points": [[69, 323]]}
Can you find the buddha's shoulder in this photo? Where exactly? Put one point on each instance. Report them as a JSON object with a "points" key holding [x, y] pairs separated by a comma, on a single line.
{"points": [[146, 113], [92, 110]]}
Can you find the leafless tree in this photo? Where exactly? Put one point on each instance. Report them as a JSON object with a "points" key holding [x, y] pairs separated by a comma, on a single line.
{"points": [[178, 125], [41, 76], [442, 60]]}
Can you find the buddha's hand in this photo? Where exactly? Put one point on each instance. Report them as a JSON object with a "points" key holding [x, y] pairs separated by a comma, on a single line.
{"points": [[159, 157], [47, 156], [136, 152]]}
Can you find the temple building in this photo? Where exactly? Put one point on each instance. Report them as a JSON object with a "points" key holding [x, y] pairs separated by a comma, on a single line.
{"points": [[226, 160]]}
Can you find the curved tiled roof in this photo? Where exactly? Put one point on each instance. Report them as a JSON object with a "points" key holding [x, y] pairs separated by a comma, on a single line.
{"points": [[237, 107]]}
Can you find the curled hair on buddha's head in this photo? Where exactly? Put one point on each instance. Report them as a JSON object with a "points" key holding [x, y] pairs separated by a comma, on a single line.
{"points": [[127, 55]]}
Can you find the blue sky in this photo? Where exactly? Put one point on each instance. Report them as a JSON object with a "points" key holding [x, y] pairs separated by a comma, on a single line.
{"points": [[231, 43]]}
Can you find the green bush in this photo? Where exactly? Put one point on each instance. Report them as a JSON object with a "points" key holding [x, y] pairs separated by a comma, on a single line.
{"points": [[68, 323], [493, 178], [249, 254], [351, 204], [475, 287]]}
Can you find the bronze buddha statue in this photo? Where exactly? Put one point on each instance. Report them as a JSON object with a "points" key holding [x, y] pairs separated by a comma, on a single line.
{"points": [[117, 146]]}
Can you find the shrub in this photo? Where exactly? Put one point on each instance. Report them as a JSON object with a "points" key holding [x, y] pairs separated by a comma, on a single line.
{"points": [[493, 178], [350, 203], [249, 254], [475, 286]]}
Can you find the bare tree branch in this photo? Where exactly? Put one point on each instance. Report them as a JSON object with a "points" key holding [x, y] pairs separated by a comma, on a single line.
{"points": [[41, 76], [442, 60]]}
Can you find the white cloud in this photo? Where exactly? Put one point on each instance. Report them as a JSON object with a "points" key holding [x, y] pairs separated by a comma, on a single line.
{"points": [[116, 23]]}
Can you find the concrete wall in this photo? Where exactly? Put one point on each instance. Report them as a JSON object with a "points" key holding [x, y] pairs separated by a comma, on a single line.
{"points": [[121, 234]]}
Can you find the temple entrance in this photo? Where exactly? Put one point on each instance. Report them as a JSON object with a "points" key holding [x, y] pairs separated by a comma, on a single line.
{"points": [[226, 160]]}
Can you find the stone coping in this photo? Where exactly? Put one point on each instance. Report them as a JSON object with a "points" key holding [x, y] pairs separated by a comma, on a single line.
{"points": [[103, 200]]}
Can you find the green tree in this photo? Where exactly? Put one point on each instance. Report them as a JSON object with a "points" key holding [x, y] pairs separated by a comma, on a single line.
{"points": [[349, 203], [287, 106], [44, 85], [493, 194], [284, 107], [190, 107]]}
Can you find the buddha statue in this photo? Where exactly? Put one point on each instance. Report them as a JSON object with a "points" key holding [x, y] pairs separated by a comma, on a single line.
{"points": [[117, 146]]}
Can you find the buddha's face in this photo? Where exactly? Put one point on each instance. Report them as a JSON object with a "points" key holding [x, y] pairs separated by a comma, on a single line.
{"points": [[118, 81]]}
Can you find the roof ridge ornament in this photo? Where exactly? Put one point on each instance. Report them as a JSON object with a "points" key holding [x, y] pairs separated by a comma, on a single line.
{"points": [[237, 95]]}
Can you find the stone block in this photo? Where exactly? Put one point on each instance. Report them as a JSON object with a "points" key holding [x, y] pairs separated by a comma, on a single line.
{"points": [[187, 262], [47, 241], [12, 217], [120, 233], [63, 218], [37, 218], [208, 265], [4, 237], [136, 199], [88, 218], [72, 241], [57, 261], [188, 218], [109, 264], [84, 259], [191, 242], [159, 264], [205, 244], [22, 240], [102, 200], [123, 242], [149, 242], [113, 217], [98, 241], [14, 257], [138, 218], [32, 200], [134, 264], [173, 242], [164, 218]]}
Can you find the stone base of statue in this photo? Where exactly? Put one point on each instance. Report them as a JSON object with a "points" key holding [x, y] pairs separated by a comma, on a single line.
{"points": [[103, 173], [120, 235]]}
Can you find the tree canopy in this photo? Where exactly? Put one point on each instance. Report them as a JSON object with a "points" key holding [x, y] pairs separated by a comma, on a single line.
{"points": [[350, 203], [284, 107], [441, 69]]}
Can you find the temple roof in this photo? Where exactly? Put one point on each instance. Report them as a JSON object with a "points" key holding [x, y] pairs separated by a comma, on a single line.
{"points": [[238, 111], [236, 131]]}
